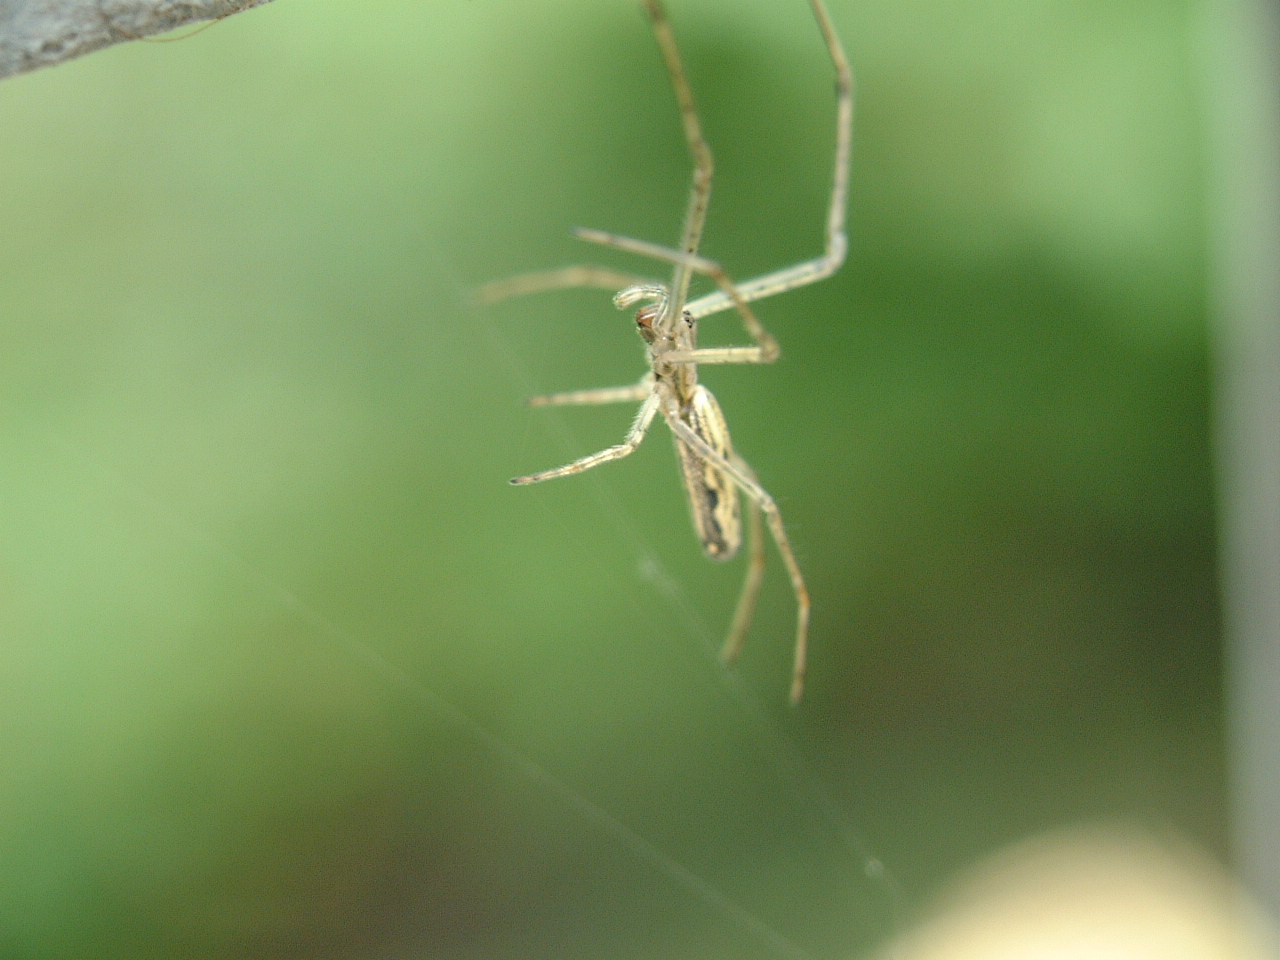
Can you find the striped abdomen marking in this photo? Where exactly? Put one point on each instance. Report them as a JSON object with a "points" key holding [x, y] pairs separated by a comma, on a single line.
{"points": [[713, 499]]}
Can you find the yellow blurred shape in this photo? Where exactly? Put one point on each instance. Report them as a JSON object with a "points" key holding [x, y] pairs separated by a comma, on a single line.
{"points": [[1094, 894]]}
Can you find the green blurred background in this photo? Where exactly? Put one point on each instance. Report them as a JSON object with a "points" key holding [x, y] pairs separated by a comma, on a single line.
{"points": [[265, 591]]}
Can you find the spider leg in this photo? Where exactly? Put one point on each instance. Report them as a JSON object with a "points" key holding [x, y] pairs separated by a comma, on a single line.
{"points": [[741, 474], [810, 271], [720, 355], [695, 217], [566, 277], [636, 391], [644, 417], [767, 350]]}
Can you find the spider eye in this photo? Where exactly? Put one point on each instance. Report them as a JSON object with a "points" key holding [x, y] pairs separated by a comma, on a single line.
{"points": [[688, 319]]}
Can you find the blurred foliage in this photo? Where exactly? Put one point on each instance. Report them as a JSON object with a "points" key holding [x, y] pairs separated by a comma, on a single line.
{"points": [[254, 442]]}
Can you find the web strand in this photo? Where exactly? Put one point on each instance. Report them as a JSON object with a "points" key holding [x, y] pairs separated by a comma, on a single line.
{"points": [[380, 665]]}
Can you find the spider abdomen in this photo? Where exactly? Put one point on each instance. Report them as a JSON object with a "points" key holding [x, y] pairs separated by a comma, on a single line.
{"points": [[713, 497]]}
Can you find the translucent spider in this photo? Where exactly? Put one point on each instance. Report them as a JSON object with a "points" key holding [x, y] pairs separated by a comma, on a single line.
{"points": [[713, 473]]}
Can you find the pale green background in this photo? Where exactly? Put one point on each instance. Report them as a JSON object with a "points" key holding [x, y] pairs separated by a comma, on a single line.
{"points": [[254, 444]]}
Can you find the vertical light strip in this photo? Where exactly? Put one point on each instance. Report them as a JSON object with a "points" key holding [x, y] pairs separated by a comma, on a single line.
{"points": [[1243, 110]]}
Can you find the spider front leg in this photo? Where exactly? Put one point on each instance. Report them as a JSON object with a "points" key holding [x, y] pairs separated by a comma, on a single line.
{"points": [[597, 397], [741, 474], [565, 278], [837, 244], [695, 216], [644, 418]]}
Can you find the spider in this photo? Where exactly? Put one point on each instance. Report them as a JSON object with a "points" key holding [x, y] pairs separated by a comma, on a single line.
{"points": [[668, 323]]}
